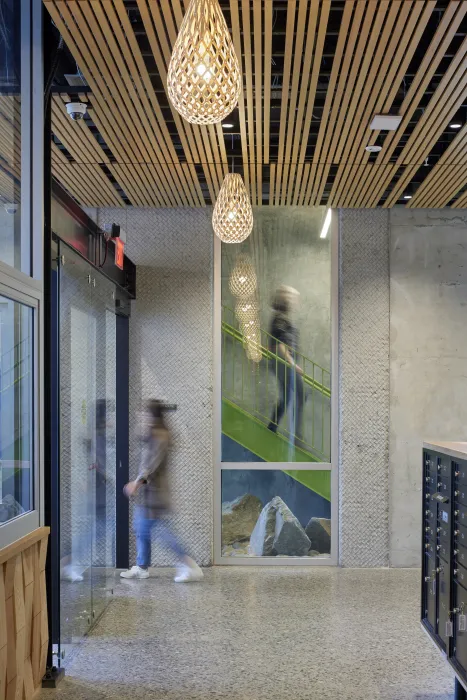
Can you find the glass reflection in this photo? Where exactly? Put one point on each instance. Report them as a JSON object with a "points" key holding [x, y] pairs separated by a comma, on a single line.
{"points": [[276, 340], [13, 251]]}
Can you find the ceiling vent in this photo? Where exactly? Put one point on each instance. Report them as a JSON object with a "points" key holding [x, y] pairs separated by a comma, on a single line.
{"points": [[385, 122]]}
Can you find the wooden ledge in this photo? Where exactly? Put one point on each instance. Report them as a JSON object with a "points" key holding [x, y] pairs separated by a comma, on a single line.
{"points": [[15, 548]]}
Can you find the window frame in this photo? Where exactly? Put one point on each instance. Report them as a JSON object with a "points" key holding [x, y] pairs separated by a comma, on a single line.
{"points": [[27, 288], [332, 466], [23, 292]]}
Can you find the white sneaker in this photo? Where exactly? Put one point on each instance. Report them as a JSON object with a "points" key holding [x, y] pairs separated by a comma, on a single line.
{"points": [[189, 572], [135, 572], [70, 574]]}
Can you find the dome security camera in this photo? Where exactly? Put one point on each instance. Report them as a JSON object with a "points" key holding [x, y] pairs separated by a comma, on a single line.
{"points": [[11, 208], [76, 110]]}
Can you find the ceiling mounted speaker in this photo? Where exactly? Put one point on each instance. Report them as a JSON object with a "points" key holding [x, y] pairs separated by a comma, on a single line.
{"points": [[243, 281], [203, 80], [232, 219]]}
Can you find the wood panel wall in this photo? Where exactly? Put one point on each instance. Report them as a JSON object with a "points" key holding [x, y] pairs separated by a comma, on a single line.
{"points": [[24, 633]]}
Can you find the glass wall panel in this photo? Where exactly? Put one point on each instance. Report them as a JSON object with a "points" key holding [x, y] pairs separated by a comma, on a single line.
{"points": [[16, 409], [77, 428], [273, 513], [87, 442], [13, 250], [276, 340]]}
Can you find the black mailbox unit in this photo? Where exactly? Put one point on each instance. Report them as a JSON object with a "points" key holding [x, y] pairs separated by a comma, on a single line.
{"points": [[444, 553]]}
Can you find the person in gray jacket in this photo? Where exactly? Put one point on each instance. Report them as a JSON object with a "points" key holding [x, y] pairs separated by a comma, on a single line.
{"points": [[151, 489]]}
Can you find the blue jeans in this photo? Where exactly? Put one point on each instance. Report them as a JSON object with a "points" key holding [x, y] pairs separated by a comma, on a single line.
{"points": [[143, 529]]}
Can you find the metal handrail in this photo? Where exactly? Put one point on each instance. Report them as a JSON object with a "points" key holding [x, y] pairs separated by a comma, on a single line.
{"points": [[258, 396]]}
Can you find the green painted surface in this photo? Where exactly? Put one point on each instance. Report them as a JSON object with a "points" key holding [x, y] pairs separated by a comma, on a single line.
{"points": [[254, 435]]}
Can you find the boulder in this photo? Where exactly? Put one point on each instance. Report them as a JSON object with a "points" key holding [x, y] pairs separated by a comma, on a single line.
{"points": [[290, 537], [239, 518], [319, 534], [262, 537], [278, 532]]}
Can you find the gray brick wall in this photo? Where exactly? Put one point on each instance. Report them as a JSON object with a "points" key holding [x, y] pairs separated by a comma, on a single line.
{"points": [[171, 355], [364, 387]]}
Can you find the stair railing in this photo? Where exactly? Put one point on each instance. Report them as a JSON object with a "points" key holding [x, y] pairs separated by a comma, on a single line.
{"points": [[259, 388]]}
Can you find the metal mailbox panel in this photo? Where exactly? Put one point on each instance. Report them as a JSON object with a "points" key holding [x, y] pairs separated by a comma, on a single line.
{"points": [[461, 537], [460, 494], [460, 514], [460, 637], [461, 472], [444, 602], [430, 584]]}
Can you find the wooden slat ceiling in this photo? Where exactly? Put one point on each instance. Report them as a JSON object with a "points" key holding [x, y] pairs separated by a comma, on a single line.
{"points": [[315, 72], [10, 149]]}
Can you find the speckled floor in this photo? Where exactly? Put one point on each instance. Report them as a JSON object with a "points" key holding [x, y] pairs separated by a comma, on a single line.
{"points": [[261, 634]]}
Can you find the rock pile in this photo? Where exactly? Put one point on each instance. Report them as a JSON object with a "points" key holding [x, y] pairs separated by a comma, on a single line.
{"points": [[248, 529]]}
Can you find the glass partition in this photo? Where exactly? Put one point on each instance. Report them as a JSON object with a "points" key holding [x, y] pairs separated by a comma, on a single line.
{"points": [[87, 347], [276, 340]]}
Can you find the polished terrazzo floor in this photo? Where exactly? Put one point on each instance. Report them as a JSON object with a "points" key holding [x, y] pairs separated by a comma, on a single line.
{"points": [[261, 634]]}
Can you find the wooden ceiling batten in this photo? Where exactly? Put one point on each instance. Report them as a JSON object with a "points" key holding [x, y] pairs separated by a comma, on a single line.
{"points": [[314, 74]]}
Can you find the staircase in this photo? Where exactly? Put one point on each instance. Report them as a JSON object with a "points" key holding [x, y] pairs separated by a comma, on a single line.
{"points": [[249, 394]]}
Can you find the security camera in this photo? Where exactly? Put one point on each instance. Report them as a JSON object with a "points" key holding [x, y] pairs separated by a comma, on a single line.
{"points": [[11, 208], [76, 110]]}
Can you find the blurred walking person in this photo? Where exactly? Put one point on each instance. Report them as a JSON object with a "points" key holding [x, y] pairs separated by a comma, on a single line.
{"points": [[151, 490], [284, 344]]}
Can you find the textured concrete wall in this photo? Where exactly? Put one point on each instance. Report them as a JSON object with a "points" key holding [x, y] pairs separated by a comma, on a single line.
{"points": [[428, 256], [364, 387], [171, 355]]}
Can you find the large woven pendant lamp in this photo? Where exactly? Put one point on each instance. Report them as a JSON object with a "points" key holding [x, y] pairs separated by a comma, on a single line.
{"points": [[203, 80], [232, 219]]}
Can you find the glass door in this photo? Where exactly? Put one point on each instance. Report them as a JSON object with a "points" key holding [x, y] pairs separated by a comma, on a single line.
{"points": [[104, 439], [77, 392], [87, 350]]}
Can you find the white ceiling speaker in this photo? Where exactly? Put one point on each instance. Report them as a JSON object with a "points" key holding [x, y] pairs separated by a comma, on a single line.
{"points": [[232, 218], [203, 80], [385, 122]]}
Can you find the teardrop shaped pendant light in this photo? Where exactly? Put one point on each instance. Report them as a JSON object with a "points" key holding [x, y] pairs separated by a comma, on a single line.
{"points": [[243, 282], [203, 80], [232, 219]]}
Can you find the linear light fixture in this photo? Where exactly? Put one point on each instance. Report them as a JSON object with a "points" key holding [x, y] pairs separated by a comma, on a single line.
{"points": [[385, 122], [326, 225], [455, 126], [226, 125]]}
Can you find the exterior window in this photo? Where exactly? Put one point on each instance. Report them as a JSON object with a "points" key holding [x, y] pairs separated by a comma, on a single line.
{"points": [[15, 247], [16, 409]]}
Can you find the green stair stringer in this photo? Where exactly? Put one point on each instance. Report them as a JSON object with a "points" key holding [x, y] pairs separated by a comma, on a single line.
{"points": [[253, 435]]}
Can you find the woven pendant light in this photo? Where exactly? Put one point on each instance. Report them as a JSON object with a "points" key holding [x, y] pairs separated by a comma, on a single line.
{"points": [[245, 310], [243, 281], [232, 219], [253, 345], [203, 80]]}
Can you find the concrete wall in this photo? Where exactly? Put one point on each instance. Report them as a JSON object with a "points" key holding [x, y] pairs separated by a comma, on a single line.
{"points": [[171, 355], [428, 260]]}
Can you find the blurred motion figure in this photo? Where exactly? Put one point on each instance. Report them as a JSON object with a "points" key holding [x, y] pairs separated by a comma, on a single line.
{"points": [[151, 489], [284, 344]]}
